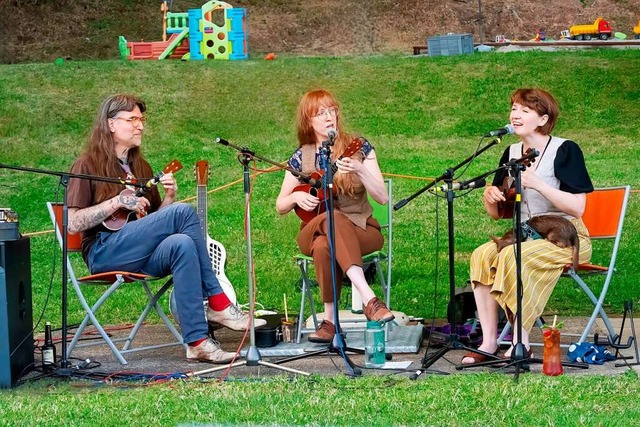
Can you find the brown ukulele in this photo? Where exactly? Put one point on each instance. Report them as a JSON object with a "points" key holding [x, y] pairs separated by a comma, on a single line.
{"points": [[306, 216], [506, 208], [119, 218]]}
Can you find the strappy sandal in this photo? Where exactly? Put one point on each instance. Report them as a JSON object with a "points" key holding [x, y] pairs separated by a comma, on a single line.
{"points": [[478, 357]]}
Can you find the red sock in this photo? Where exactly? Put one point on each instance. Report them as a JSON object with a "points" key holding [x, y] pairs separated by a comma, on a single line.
{"points": [[219, 302], [197, 343]]}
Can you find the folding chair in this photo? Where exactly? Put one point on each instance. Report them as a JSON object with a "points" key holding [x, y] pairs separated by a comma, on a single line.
{"points": [[113, 280], [384, 215], [604, 217]]}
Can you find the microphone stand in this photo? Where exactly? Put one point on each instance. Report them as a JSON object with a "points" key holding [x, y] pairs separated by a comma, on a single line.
{"points": [[338, 344], [301, 177], [448, 174], [519, 356], [452, 341], [64, 182], [253, 356]]}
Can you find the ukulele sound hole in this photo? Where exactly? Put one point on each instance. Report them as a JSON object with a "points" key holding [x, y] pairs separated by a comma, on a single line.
{"points": [[313, 192]]}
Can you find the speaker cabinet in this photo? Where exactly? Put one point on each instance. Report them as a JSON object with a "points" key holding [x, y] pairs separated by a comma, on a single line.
{"points": [[16, 311]]}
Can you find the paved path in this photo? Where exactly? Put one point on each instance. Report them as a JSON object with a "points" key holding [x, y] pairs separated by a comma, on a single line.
{"points": [[172, 359]]}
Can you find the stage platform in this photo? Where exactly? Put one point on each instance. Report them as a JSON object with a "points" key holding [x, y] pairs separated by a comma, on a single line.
{"points": [[401, 339]]}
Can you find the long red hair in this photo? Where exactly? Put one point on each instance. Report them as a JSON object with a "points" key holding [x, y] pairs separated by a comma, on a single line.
{"points": [[312, 102]]}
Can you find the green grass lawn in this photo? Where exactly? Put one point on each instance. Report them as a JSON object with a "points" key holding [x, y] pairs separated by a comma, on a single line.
{"points": [[423, 115], [457, 400]]}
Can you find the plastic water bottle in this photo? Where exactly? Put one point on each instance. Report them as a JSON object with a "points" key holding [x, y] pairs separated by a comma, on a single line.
{"points": [[374, 352]]}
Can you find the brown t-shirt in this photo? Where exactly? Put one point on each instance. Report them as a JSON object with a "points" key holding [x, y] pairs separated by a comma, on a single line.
{"points": [[81, 194]]}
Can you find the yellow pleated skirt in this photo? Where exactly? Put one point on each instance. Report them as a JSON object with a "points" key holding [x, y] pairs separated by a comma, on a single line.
{"points": [[542, 265]]}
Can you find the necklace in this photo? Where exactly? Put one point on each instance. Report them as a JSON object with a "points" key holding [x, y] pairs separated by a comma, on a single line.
{"points": [[541, 155]]}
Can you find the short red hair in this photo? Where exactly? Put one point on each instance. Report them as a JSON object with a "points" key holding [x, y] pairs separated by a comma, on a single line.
{"points": [[541, 102]]}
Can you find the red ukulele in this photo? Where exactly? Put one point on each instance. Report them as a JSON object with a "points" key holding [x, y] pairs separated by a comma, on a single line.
{"points": [[307, 216], [119, 218]]}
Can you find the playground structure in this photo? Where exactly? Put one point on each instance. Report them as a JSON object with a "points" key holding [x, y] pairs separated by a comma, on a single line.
{"points": [[636, 30], [216, 30]]}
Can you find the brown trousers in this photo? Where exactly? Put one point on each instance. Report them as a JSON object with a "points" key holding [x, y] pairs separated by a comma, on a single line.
{"points": [[351, 242]]}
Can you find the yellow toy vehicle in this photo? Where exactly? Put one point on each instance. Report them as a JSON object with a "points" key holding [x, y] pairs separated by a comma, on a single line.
{"points": [[599, 29]]}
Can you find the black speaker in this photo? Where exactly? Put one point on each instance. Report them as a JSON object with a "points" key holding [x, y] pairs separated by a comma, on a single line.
{"points": [[16, 311]]}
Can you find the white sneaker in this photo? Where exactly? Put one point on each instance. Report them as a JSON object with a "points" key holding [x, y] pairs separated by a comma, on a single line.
{"points": [[233, 318], [208, 351]]}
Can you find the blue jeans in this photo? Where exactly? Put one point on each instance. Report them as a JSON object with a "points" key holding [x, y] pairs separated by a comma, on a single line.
{"points": [[169, 241]]}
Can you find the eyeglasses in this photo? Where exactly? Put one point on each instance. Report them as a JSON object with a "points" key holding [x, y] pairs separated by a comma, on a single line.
{"points": [[135, 121], [331, 112]]}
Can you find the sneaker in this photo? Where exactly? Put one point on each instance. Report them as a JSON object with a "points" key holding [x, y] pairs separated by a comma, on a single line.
{"points": [[376, 310], [324, 334], [233, 318], [208, 351]]}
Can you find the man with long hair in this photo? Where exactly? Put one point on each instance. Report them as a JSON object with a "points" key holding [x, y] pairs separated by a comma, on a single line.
{"points": [[167, 240]]}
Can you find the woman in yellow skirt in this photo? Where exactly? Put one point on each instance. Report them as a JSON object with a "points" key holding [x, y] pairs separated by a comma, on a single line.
{"points": [[555, 184]]}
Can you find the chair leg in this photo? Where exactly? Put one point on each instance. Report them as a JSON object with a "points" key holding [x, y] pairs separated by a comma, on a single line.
{"points": [[598, 310], [507, 329], [384, 284], [307, 295], [356, 300], [151, 304], [168, 323], [301, 314], [90, 316]]}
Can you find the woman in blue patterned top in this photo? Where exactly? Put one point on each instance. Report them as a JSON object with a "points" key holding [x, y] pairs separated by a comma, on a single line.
{"points": [[356, 231]]}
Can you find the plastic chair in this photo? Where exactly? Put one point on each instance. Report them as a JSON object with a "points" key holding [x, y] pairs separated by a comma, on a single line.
{"points": [[113, 280], [384, 215], [604, 217]]}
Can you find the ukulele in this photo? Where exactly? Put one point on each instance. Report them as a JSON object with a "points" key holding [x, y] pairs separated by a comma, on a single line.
{"points": [[506, 208], [217, 252], [306, 216], [119, 218]]}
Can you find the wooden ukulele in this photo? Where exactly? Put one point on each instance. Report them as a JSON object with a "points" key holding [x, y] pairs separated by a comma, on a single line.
{"points": [[217, 252], [306, 216], [506, 208], [119, 218]]}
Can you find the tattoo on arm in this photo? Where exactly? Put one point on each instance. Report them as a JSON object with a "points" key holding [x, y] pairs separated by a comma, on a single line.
{"points": [[129, 202], [84, 219]]}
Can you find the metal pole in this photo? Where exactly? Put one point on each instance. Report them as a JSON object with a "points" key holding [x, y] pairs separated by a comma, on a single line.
{"points": [[480, 22]]}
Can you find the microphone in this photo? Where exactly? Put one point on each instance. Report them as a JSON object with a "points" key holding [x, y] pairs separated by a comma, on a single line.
{"points": [[141, 191], [507, 130], [332, 136], [222, 141], [464, 185], [315, 183]]}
